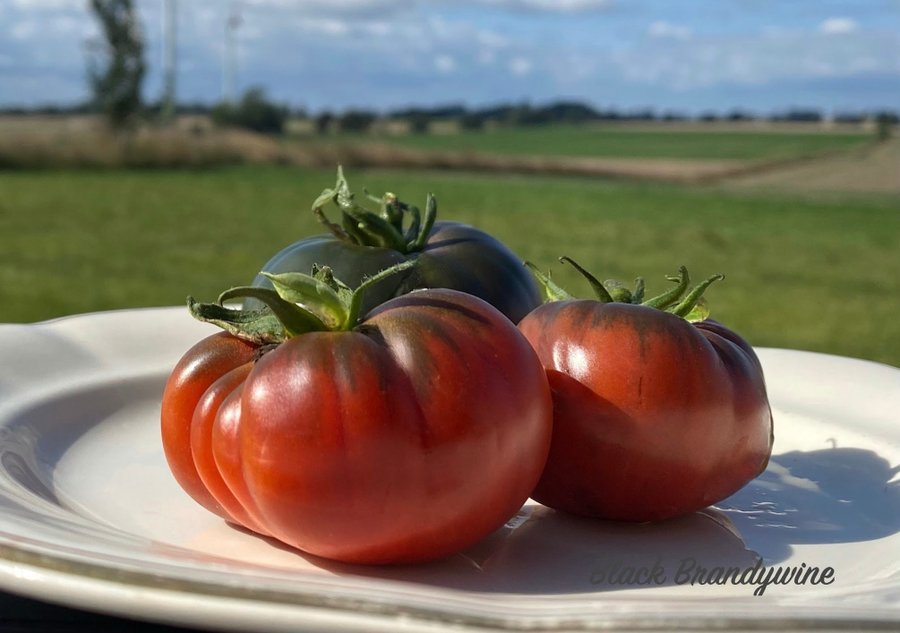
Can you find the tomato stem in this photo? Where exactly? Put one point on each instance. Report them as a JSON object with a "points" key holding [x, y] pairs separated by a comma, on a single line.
{"points": [[294, 318], [603, 295], [355, 304], [638, 295], [383, 229], [427, 225], [691, 306], [549, 289], [257, 326], [299, 303], [687, 304], [664, 300]]}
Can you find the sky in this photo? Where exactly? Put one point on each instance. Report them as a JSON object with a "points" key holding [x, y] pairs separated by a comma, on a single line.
{"points": [[689, 56]]}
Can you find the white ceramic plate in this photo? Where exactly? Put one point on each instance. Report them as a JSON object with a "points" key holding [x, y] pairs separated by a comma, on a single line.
{"points": [[90, 516]]}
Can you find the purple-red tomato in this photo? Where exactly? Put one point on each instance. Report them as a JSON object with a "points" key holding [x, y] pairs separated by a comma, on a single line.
{"points": [[405, 438], [654, 416]]}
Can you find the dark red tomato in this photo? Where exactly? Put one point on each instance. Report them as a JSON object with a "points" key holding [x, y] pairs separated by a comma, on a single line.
{"points": [[407, 438], [654, 416]]}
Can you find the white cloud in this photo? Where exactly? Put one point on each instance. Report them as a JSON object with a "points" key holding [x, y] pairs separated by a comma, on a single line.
{"points": [[666, 29], [838, 26], [553, 6], [345, 8], [492, 39], [48, 5], [520, 66], [750, 60], [326, 26], [24, 30], [379, 29], [67, 24], [445, 63], [486, 56]]}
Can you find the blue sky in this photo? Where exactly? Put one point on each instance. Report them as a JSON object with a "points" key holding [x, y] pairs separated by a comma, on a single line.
{"points": [[687, 55]]}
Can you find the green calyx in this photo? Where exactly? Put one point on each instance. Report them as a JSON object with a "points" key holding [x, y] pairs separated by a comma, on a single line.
{"points": [[678, 300], [299, 303], [383, 228]]}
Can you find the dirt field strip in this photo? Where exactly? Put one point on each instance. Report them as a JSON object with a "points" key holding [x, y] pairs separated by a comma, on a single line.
{"points": [[79, 141], [872, 169]]}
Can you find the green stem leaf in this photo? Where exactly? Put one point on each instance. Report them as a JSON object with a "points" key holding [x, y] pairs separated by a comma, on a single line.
{"points": [[686, 305], [312, 293], [549, 289], [295, 319], [664, 300], [427, 225], [257, 326], [638, 295], [412, 233], [618, 291], [602, 293], [353, 310], [380, 230]]}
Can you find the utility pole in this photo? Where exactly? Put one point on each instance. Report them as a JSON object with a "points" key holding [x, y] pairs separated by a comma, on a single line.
{"points": [[229, 68], [170, 55]]}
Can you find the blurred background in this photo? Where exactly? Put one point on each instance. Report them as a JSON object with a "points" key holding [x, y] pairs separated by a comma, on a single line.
{"points": [[159, 148]]}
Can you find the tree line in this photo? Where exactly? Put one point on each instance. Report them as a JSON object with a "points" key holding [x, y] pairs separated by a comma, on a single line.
{"points": [[254, 110]]}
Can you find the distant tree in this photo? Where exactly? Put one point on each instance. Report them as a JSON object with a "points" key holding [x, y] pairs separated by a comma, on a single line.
{"points": [[419, 123], [849, 117], [884, 125], [642, 114], [445, 112], [569, 112], [739, 115], [472, 121], [323, 122], [253, 112], [356, 121], [117, 76], [672, 115], [805, 115]]}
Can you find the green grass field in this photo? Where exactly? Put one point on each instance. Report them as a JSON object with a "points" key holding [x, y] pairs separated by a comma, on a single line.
{"points": [[817, 274], [628, 142]]}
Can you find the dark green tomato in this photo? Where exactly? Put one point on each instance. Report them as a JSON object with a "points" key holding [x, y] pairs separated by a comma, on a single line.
{"points": [[349, 262], [455, 256]]}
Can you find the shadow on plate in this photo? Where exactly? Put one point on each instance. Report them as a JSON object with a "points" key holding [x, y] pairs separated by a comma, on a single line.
{"points": [[819, 497], [542, 551], [835, 495]]}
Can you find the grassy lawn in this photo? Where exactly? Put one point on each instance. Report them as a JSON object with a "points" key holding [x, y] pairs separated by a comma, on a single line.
{"points": [[818, 274], [626, 142]]}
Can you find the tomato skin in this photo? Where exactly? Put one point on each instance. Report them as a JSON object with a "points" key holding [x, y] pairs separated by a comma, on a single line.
{"points": [[654, 417], [406, 439], [194, 374], [455, 256]]}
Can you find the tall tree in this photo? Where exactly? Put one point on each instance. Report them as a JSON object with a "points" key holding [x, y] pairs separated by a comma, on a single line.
{"points": [[117, 77]]}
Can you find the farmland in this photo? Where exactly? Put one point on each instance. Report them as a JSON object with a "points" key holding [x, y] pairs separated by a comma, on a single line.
{"points": [[806, 272], [681, 152], [678, 141]]}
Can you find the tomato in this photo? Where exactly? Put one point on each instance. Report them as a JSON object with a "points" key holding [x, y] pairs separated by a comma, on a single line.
{"points": [[448, 254], [655, 416], [402, 438]]}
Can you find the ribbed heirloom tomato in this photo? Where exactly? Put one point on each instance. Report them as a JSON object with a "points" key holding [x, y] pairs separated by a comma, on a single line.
{"points": [[658, 410], [447, 254], [403, 437]]}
